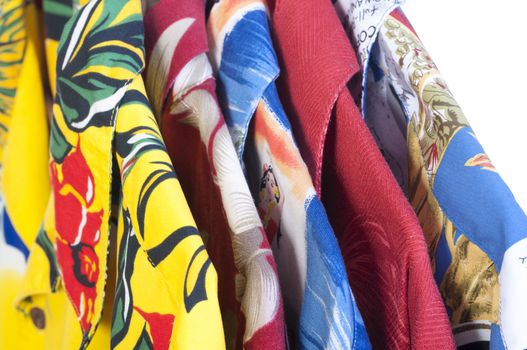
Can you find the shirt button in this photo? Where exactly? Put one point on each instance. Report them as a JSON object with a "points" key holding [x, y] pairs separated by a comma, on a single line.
{"points": [[38, 317]]}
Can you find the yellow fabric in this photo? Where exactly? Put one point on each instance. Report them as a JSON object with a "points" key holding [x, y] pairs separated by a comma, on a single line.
{"points": [[24, 180], [62, 327], [33, 291], [167, 210], [157, 287], [12, 47], [25, 177]]}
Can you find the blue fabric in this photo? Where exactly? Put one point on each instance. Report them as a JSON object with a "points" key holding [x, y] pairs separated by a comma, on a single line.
{"points": [[476, 199], [12, 238], [496, 342], [247, 67], [329, 317], [479, 204], [271, 99], [327, 288]]}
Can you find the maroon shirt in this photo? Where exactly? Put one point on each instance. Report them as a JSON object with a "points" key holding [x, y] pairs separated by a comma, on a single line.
{"points": [[381, 240]]}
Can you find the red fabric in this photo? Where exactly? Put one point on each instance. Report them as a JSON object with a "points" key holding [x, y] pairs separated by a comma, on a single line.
{"points": [[161, 16], [381, 240], [160, 328], [191, 163], [77, 232], [189, 156], [195, 170]]}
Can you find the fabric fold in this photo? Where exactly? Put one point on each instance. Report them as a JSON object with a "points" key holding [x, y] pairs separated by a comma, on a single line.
{"points": [[310, 265], [180, 78], [380, 238], [474, 228], [167, 284]]}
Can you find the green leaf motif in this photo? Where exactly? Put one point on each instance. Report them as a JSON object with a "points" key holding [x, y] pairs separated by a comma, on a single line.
{"points": [[60, 147], [144, 342], [44, 242], [12, 45], [123, 300], [101, 50], [56, 15]]}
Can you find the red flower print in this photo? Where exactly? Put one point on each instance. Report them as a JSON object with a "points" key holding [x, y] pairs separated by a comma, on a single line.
{"points": [[78, 231], [160, 328], [76, 172], [432, 157], [86, 264], [80, 287]]}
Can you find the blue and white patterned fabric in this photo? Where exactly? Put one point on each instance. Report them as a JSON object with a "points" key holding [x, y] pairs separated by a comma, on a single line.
{"points": [[321, 312]]}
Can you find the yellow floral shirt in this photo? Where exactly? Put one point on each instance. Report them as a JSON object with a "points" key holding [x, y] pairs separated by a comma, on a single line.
{"points": [[139, 280]]}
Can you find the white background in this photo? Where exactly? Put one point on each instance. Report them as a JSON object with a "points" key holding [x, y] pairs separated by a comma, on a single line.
{"points": [[480, 47]]}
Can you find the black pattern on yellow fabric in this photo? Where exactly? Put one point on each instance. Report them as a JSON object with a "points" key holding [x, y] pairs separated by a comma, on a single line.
{"points": [[153, 180], [144, 342], [123, 299], [56, 15], [12, 48], [92, 40], [134, 145], [161, 251], [47, 246], [198, 292], [147, 175]]}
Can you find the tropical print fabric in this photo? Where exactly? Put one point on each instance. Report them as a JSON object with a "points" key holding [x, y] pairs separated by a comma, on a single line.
{"points": [[182, 87], [56, 14], [475, 230], [310, 265], [13, 37], [164, 184], [23, 154], [44, 316], [163, 255], [165, 282]]}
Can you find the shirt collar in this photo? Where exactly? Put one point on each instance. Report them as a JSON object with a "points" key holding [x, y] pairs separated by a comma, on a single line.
{"points": [[317, 62], [176, 34], [362, 21], [243, 56]]}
